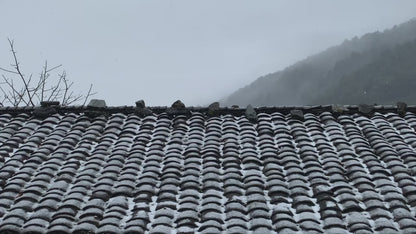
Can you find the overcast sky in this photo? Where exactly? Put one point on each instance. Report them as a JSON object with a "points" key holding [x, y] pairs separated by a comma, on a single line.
{"points": [[195, 51]]}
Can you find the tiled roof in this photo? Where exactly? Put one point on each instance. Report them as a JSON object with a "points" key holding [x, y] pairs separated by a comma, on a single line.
{"points": [[115, 171]]}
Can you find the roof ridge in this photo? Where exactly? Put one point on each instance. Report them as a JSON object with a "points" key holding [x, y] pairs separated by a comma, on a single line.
{"points": [[347, 109]]}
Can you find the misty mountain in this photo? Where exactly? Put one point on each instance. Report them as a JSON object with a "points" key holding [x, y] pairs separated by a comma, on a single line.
{"points": [[379, 67]]}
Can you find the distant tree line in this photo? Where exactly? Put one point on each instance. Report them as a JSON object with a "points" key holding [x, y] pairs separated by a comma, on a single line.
{"points": [[376, 68]]}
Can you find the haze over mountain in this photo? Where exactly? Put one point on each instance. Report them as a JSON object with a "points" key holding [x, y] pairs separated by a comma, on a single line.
{"points": [[378, 67]]}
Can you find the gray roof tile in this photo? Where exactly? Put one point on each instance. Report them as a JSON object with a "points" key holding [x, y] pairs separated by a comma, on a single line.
{"points": [[120, 172]]}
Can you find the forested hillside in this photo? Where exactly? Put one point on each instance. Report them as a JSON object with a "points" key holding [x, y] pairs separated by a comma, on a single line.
{"points": [[378, 68]]}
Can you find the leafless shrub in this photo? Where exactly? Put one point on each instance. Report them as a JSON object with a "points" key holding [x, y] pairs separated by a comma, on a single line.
{"points": [[18, 89]]}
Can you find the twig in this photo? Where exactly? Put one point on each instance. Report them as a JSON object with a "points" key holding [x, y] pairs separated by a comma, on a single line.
{"points": [[56, 87], [88, 95], [9, 71]]}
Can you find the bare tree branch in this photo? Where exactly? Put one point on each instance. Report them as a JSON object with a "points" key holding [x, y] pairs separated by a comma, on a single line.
{"points": [[65, 91], [16, 95], [43, 89], [17, 68]]}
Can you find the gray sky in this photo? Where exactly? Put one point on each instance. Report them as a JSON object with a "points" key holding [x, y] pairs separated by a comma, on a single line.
{"points": [[196, 51]]}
